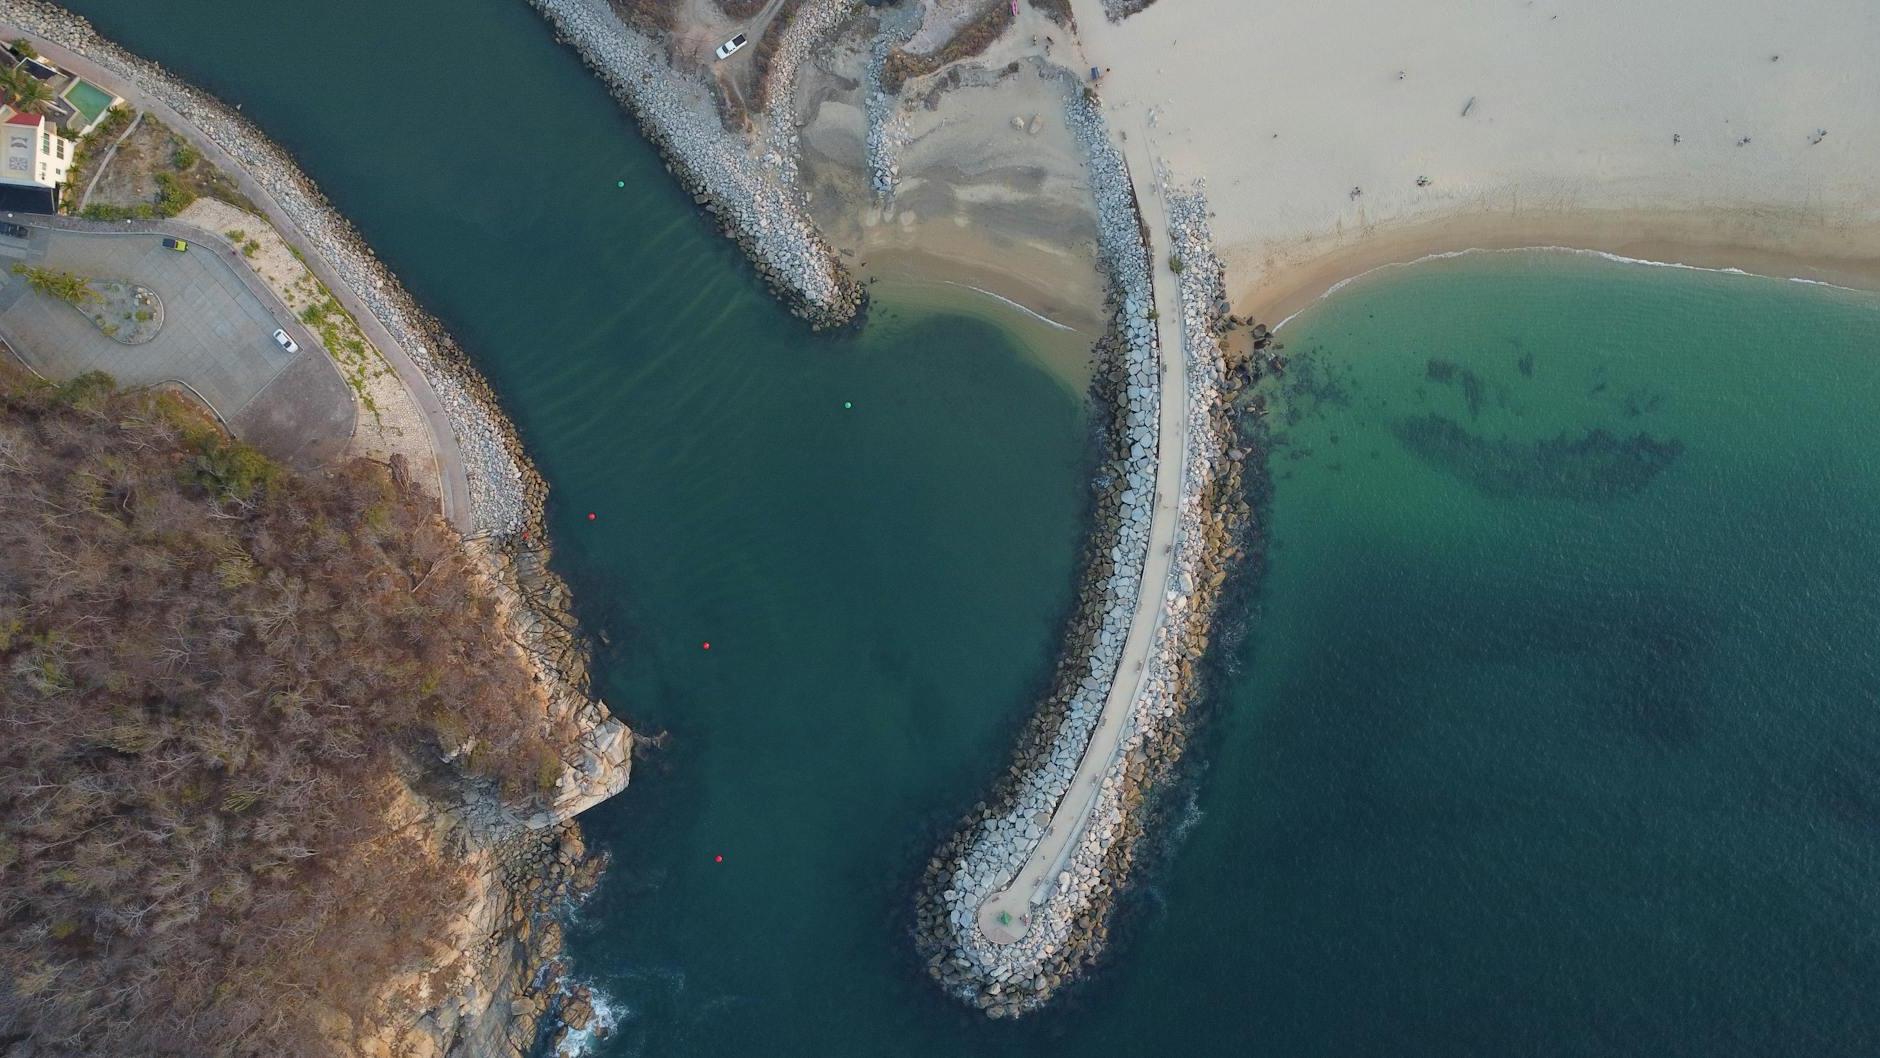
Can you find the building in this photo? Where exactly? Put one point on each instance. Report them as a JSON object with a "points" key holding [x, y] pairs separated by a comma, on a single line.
{"points": [[76, 105], [35, 159], [38, 144]]}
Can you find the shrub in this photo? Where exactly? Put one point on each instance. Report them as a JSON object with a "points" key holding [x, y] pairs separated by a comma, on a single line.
{"points": [[65, 286], [173, 196], [971, 38]]}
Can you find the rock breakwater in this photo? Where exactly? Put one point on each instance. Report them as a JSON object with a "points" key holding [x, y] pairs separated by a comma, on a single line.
{"points": [[1067, 925], [748, 185]]}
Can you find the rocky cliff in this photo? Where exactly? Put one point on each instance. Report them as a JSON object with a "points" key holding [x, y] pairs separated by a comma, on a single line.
{"points": [[498, 989], [494, 990]]}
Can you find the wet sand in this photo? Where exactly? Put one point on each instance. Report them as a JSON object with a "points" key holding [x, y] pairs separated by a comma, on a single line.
{"points": [[980, 203], [1770, 243]]}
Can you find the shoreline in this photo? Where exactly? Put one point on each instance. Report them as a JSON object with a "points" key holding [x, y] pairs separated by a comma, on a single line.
{"points": [[509, 991], [1616, 258], [1065, 355]]}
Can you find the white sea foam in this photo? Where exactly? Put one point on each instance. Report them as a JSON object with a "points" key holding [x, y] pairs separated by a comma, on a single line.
{"points": [[1034, 315], [1187, 819], [1617, 258], [581, 1043]]}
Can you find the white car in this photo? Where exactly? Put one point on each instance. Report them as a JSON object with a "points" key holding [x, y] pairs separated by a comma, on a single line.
{"points": [[725, 49], [281, 339]]}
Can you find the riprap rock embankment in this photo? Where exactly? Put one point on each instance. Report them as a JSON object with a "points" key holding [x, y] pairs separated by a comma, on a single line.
{"points": [[1066, 925], [747, 181]]}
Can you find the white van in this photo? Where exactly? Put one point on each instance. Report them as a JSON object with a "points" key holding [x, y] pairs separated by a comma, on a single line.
{"points": [[725, 49]]}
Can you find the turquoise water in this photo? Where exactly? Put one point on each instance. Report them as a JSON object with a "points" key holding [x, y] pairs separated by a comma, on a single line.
{"points": [[1552, 730], [88, 99]]}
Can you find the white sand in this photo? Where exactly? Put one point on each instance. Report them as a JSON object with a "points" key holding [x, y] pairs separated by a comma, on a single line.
{"points": [[1285, 107]]}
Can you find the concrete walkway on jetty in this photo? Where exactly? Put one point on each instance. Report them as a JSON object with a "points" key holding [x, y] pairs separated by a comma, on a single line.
{"points": [[1005, 917], [453, 482]]}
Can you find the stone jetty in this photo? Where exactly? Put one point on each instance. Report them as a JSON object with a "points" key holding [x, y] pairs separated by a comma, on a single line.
{"points": [[887, 125], [747, 179], [1067, 922]]}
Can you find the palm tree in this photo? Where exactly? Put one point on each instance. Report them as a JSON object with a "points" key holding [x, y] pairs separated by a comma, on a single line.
{"points": [[26, 93]]}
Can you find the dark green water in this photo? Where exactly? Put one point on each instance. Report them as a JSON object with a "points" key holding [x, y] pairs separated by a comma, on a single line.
{"points": [[1542, 741]]}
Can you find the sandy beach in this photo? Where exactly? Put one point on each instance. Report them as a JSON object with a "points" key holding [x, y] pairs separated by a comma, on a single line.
{"points": [[992, 194], [1675, 131]]}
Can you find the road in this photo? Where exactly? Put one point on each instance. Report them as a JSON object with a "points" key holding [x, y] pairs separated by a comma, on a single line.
{"points": [[453, 483], [1006, 915], [217, 337]]}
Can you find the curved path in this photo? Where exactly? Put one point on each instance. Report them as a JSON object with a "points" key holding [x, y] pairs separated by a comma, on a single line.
{"points": [[1005, 916], [453, 483], [216, 340]]}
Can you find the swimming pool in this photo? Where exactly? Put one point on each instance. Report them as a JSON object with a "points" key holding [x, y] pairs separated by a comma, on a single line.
{"points": [[89, 100]]}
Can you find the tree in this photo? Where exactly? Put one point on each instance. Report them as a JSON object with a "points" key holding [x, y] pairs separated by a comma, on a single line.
{"points": [[26, 93], [222, 681], [65, 286]]}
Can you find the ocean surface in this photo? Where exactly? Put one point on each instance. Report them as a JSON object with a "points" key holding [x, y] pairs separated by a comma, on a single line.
{"points": [[1552, 729]]}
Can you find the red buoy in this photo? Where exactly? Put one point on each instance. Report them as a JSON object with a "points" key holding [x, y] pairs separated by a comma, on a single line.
{"points": [[718, 859], [590, 516], [706, 645]]}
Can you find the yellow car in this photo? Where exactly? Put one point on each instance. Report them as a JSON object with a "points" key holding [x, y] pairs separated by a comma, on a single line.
{"points": [[179, 245]]}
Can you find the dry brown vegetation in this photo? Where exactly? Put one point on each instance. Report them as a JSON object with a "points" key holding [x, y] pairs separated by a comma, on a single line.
{"points": [[1058, 11], [216, 680], [973, 38], [155, 172], [650, 16], [765, 50]]}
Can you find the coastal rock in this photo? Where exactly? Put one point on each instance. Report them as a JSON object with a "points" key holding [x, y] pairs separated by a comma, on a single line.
{"points": [[753, 183], [1068, 929]]}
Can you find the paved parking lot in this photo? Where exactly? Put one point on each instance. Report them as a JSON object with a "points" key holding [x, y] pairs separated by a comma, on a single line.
{"points": [[216, 337]]}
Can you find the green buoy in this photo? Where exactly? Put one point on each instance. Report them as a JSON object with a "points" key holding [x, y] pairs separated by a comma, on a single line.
{"points": [[846, 405], [620, 183]]}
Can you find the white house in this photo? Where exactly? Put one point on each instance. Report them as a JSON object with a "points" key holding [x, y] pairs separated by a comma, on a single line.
{"points": [[33, 155]]}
